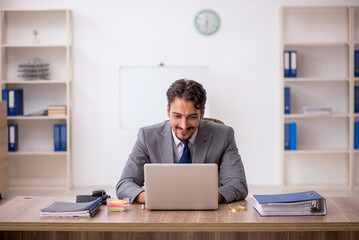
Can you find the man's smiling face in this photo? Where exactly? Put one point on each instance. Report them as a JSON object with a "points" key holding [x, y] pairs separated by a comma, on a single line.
{"points": [[184, 118]]}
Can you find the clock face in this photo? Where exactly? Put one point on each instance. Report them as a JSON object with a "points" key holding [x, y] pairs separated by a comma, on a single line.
{"points": [[206, 22]]}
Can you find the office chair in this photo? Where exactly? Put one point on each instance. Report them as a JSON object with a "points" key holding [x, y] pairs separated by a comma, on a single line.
{"points": [[209, 119]]}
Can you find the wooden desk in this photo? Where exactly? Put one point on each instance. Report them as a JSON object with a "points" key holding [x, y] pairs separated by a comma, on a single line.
{"points": [[20, 219]]}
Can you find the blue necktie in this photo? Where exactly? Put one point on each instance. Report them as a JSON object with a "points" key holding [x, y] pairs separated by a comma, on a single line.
{"points": [[186, 155]]}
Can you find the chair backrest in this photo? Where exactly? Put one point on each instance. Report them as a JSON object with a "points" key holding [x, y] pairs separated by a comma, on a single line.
{"points": [[209, 119], [213, 120]]}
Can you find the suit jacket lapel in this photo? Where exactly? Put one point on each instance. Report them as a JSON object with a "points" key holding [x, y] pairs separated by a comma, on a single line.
{"points": [[164, 141], [202, 143]]}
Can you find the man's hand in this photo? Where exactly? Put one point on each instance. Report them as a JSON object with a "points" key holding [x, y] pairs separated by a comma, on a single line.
{"points": [[140, 197], [220, 198]]}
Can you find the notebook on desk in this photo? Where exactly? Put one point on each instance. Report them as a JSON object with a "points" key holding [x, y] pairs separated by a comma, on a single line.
{"points": [[181, 186]]}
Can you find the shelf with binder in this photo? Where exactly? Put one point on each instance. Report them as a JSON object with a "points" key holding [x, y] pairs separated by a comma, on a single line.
{"points": [[321, 61], [303, 94], [322, 133], [36, 57], [34, 136], [37, 98], [321, 98]]}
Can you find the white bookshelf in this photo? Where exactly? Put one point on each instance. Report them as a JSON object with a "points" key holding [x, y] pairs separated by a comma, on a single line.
{"points": [[325, 39], [354, 165], [36, 164]]}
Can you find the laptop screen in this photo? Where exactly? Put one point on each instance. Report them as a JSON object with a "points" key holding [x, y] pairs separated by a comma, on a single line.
{"points": [[181, 186]]}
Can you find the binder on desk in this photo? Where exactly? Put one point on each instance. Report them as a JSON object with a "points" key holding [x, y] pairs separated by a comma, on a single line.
{"points": [[12, 138], [308, 203], [14, 98]]}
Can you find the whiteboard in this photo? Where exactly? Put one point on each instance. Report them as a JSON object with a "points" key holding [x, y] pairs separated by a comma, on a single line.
{"points": [[143, 99]]}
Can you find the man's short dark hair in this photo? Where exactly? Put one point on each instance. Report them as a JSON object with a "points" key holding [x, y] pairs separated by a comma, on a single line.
{"points": [[189, 90]]}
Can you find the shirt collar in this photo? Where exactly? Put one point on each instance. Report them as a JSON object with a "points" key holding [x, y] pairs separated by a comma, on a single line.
{"points": [[177, 141]]}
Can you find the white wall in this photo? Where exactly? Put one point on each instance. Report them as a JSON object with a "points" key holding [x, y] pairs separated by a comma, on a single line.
{"points": [[242, 57]]}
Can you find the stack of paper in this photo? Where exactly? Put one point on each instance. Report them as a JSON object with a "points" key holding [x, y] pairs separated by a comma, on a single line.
{"points": [[56, 110], [69, 209], [316, 110], [290, 204]]}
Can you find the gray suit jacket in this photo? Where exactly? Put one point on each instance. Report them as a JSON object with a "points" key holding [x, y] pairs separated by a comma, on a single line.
{"points": [[214, 143]]}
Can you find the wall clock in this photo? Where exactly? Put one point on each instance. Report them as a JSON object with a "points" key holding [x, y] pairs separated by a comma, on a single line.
{"points": [[207, 22]]}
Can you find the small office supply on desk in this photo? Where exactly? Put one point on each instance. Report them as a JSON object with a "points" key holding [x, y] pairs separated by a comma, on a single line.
{"points": [[239, 208], [118, 205]]}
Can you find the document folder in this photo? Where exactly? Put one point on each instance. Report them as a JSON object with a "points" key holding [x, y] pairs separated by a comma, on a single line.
{"points": [[308, 203]]}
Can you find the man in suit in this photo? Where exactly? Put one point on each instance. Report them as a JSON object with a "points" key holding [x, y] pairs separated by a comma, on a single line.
{"points": [[208, 142]]}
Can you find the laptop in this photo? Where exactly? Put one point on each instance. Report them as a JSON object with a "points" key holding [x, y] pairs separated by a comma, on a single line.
{"points": [[181, 186]]}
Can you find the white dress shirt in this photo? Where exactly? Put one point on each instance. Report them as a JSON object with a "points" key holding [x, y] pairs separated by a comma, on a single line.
{"points": [[178, 146]]}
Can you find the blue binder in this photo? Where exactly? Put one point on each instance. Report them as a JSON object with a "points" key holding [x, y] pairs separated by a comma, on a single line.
{"points": [[293, 63], [286, 63], [14, 99], [293, 136], [286, 100], [356, 99], [286, 136], [12, 138], [290, 204], [57, 146], [356, 63], [63, 138], [356, 135]]}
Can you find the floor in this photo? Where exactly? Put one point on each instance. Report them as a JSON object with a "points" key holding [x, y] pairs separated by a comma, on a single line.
{"points": [[110, 190]]}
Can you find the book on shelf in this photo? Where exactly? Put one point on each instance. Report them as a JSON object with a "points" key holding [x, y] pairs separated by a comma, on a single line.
{"points": [[356, 63], [316, 110], [60, 137], [290, 63], [287, 100], [70, 209], [356, 135], [12, 138], [14, 98], [308, 203], [290, 136], [56, 110]]}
